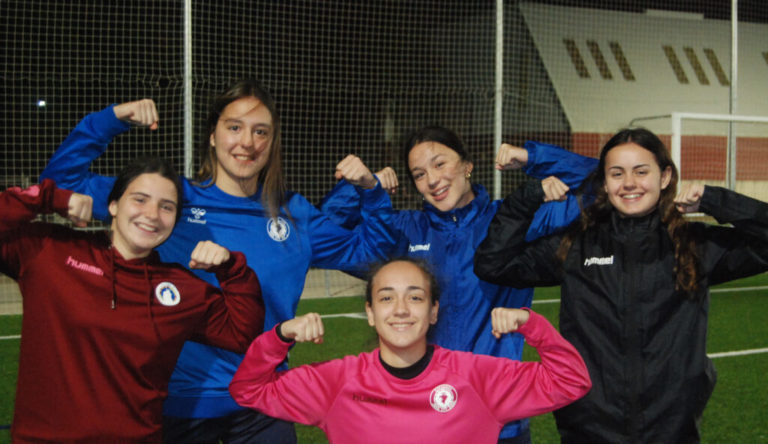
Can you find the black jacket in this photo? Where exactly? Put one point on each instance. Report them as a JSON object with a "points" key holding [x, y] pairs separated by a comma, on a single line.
{"points": [[644, 343]]}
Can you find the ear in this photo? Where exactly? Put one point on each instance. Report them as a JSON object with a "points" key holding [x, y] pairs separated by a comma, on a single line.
{"points": [[433, 313], [666, 177], [469, 167], [369, 313], [211, 141], [113, 208]]}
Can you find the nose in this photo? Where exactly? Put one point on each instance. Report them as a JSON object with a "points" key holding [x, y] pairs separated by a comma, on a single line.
{"points": [[401, 307], [432, 178], [629, 181], [246, 140], [151, 212]]}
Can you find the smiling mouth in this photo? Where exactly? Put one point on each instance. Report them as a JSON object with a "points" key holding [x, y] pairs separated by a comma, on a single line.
{"points": [[440, 194], [147, 228], [245, 158], [631, 196], [401, 325]]}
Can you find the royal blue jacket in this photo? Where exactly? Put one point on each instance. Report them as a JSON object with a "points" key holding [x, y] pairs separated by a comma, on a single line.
{"points": [[447, 241], [279, 251]]}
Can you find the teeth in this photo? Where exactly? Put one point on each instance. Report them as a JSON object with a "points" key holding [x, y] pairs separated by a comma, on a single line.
{"points": [[440, 191], [147, 227], [631, 196]]}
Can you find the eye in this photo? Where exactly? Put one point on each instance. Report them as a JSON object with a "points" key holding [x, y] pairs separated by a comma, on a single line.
{"points": [[642, 172], [234, 128], [261, 132], [417, 176], [168, 207], [139, 199]]}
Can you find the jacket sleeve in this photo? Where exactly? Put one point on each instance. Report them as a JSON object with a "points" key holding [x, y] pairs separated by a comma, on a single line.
{"points": [[546, 160], [235, 315], [373, 239], [303, 394], [342, 205], [505, 258], [18, 238], [739, 251], [515, 390], [70, 164], [22, 205]]}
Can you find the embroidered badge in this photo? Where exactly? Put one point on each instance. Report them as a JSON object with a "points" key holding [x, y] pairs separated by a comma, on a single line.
{"points": [[278, 229], [198, 214], [167, 294], [443, 398]]}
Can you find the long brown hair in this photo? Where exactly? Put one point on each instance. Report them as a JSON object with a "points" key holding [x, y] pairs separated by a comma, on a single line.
{"points": [[686, 259], [270, 178]]}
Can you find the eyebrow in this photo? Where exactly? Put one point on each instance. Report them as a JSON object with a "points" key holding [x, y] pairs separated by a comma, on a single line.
{"points": [[140, 193], [410, 287], [238, 120]]}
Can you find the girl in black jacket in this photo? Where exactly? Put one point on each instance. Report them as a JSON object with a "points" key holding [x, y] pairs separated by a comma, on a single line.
{"points": [[634, 278]]}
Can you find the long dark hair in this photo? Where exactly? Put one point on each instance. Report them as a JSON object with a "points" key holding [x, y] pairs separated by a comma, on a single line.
{"points": [[147, 165], [686, 259], [270, 178]]}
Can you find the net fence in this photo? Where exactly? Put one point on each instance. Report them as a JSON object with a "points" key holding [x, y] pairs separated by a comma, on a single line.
{"points": [[354, 77]]}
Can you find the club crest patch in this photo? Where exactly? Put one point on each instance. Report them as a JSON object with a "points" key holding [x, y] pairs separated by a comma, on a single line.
{"points": [[443, 398], [278, 229], [167, 294]]}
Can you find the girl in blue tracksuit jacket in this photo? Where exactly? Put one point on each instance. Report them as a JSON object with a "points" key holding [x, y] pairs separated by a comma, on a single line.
{"points": [[239, 202], [453, 222]]}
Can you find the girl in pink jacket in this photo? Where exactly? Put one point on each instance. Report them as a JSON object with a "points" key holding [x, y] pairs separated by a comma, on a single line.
{"points": [[407, 390]]}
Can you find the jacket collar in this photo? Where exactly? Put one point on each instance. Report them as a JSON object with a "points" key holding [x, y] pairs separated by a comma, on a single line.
{"points": [[633, 226], [459, 217]]}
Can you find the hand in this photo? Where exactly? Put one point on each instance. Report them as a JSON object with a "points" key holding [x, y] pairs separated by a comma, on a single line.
{"points": [[511, 157], [355, 172], [388, 179], [139, 113], [79, 209], [554, 189], [689, 198], [305, 328], [507, 320], [208, 254]]}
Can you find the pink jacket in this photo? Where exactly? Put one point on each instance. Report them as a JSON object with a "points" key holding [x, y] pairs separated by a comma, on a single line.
{"points": [[460, 397]]}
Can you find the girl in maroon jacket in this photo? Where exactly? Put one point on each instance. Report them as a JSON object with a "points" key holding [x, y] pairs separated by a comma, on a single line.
{"points": [[104, 319]]}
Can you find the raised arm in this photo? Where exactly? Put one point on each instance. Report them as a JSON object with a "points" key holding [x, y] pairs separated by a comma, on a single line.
{"points": [[303, 394], [516, 389], [22, 205], [730, 253], [343, 204], [236, 314], [543, 161], [505, 257], [70, 165]]}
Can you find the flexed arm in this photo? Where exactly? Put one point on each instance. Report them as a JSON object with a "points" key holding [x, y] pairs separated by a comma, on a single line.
{"points": [[70, 165], [505, 257], [22, 205], [303, 394], [236, 313]]}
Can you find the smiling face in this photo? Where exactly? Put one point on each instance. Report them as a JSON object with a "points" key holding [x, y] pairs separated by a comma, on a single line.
{"points": [[401, 311], [144, 216], [440, 175], [633, 179], [242, 140]]}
